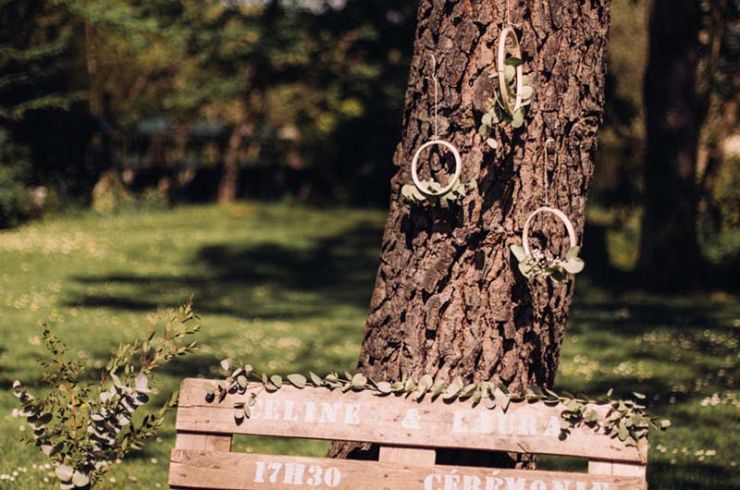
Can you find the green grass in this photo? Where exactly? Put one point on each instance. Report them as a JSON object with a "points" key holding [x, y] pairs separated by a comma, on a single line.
{"points": [[287, 288]]}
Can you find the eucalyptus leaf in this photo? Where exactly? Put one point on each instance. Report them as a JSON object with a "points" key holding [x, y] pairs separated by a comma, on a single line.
{"points": [[315, 379], [518, 252], [439, 385], [525, 268], [489, 403], [509, 72], [574, 265], [467, 391], [142, 383], [451, 392], [276, 380], [297, 380], [517, 119], [64, 472], [407, 191], [359, 381], [526, 92], [383, 387], [623, 433], [492, 143], [502, 399]]}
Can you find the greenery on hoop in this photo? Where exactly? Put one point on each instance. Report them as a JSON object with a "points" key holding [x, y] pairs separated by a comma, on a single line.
{"points": [[501, 111], [541, 264], [626, 420], [412, 194], [84, 427]]}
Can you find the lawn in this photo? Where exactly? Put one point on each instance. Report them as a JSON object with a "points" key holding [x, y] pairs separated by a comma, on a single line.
{"points": [[286, 288]]}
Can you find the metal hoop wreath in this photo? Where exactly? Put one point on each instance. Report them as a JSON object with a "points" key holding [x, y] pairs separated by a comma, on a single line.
{"points": [[507, 32], [455, 176], [556, 212]]}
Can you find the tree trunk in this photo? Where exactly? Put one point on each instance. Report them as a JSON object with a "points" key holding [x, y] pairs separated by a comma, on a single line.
{"points": [[228, 186], [669, 249], [448, 299]]}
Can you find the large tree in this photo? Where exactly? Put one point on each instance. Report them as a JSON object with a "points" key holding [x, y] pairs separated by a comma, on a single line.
{"points": [[690, 93], [669, 248], [448, 298]]}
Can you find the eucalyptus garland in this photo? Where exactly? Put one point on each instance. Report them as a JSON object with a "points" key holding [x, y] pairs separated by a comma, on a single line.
{"points": [[499, 111], [542, 264], [626, 420], [412, 194]]}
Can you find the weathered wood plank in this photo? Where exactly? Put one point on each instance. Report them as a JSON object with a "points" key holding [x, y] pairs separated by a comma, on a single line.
{"points": [[202, 442], [317, 413], [619, 469], [234, 471], [406, 455]]}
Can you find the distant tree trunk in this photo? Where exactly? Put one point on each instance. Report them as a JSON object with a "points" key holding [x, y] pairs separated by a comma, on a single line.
{"points": [[228, 186], [669, 249], [448, 298]]}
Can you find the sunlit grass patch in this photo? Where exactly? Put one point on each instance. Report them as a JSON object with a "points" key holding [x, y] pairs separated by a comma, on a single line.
{"points": [[287, 288]]}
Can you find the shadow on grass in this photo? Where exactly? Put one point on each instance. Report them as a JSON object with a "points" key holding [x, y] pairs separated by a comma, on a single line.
{"points": [[266, 281], [686, 476]]}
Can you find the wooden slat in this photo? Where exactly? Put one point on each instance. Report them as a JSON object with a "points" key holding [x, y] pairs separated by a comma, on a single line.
{"points": [[209, 443], [203, 442], [406, 455], [234, 471], [619, 469], [317, 413]]}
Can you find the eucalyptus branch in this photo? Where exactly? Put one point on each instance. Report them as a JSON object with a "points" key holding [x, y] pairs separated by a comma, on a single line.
{"points": [[84, 427], [626, 420]]}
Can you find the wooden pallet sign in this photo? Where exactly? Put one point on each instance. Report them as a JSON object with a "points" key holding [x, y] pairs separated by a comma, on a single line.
{"points": [[408, 433]]}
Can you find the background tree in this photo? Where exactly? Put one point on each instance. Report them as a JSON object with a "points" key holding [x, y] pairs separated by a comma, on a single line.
{"points": [[448, 300], [685, 74]]}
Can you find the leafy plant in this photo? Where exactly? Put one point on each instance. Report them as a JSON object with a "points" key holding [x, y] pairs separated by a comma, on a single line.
{"points": [[626, 420], [542, 264], [82, 426], [498, 110], [413, 195]]}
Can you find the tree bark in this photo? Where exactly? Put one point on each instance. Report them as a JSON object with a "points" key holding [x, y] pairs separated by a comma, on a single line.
{"points": [[669, 247], [228, 186], [448, 299]]}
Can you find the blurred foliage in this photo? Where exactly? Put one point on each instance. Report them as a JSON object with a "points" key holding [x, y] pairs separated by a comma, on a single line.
{"points": [[14, 173], [305, 97]]}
